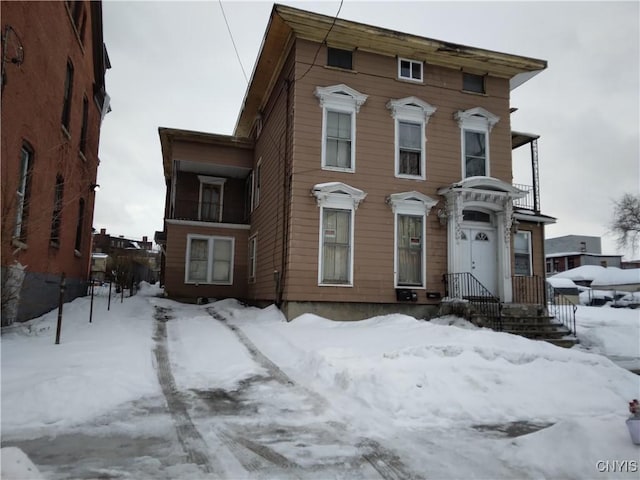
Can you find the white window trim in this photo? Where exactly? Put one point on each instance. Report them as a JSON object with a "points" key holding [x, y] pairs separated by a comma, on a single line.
{"points": [[211, 241], [339, 196], [411, 109], [248, 188], [411, 79], [527, 234], [211, 181], [476, 120], [256, 184], [342, 99], [415, 204], [253, 254], [26, 159]]}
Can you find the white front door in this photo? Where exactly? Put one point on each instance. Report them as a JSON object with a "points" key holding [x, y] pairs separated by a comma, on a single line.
{"points": [[478, 255]]}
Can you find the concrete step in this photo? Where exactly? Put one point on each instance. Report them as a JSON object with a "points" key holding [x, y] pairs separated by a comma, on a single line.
{"points": [[534, 319], [539, 335], [523, 310], [551, 331], [562, 342]]}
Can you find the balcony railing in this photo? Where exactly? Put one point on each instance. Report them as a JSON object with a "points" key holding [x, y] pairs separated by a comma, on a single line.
{"points": [[227, 212], [527, 202]]}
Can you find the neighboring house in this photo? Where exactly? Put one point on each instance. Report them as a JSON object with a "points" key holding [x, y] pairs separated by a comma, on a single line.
{"points": [[630, 264], [112, 245], [368, 173], [138, 254], [53, 102], [612, 278], [99, 263], [572, 251]]}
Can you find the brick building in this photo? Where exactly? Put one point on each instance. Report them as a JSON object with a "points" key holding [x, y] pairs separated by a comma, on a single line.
{"points": [[53, 103], [113, 245]]}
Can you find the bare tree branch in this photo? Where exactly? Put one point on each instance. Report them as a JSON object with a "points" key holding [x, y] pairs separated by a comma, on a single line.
{"points": [[625, 225]]}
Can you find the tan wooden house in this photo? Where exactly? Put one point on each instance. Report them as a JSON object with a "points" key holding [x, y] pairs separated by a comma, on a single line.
{"points": [[368, 173]]}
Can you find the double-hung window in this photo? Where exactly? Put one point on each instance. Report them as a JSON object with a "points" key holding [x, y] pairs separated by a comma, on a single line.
{"points": [[340, 104], [410, 69], [338, 139], [411, 116], [475, 153], [257, 184], [253, 251], [336, 246], [475, 126], [338, 203], [79, 226], [522, 253], [410, 210], [56, 217], [23, 193], [85, 126], [211, 196], [209, 260], [66, 101], [410, 252]]}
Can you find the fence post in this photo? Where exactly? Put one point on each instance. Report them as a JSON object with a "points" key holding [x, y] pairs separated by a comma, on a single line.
{"points": [[109, 302], [91, 307], [60, 304]]}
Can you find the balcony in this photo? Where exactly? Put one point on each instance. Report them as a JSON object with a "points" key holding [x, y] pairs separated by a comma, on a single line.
{"points": [[212, 212], [532, 200], [527, 202]]}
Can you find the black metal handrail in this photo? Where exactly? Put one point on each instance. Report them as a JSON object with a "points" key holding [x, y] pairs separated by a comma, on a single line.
{"points": [[464, 286], [528, 289], [561, 308], [528, 201]]}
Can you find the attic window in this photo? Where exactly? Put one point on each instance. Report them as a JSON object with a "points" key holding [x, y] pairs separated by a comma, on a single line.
{"points": [[337, 57], [409, 69], [473, 83]]}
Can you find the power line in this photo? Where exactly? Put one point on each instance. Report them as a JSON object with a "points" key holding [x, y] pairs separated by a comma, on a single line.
{"points": [[335, 18], [233, 42]]}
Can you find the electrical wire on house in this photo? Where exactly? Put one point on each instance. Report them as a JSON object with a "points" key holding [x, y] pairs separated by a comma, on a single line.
{"points": [[235, 48], [279, 154], [315, 57]]}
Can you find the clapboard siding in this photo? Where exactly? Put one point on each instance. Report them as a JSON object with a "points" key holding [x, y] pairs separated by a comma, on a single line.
{"points": [[373, 248], [175, 285]]}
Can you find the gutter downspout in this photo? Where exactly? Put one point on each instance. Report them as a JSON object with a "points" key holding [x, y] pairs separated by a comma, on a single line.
{"points": [[286, 204]]}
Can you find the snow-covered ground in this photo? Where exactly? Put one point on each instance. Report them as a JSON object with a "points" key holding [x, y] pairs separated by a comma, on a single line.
{"points": [[224, 390]]}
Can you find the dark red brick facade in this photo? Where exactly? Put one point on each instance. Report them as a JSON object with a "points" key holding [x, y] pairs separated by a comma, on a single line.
{"points": [[53, 99]]}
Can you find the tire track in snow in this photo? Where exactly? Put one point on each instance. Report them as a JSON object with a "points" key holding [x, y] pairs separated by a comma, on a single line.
{"points": [[192, 442], [384, 461]]}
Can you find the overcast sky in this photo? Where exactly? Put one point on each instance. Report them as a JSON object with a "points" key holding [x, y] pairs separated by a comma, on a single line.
{"points": [[173, 65]]}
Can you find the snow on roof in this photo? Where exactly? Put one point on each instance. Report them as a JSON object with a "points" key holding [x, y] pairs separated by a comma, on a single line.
{"points": [[617, 276], [99, 255], [585, 272], [561, 283], [601, 275], [567, 254]]}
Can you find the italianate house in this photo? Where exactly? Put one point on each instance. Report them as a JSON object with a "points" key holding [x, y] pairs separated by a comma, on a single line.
{"points": [[370, 171]]}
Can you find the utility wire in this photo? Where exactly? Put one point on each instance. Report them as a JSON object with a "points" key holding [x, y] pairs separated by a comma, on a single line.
{"points": [[233, 42], [335, 18]]}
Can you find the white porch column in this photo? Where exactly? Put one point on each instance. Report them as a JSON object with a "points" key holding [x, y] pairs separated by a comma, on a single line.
{"points": [[454, 219], [504, 252]]}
